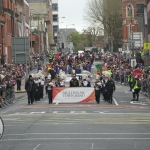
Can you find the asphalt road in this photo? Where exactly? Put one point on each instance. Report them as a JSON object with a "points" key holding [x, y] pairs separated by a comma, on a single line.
{"points": [[120, 126]]}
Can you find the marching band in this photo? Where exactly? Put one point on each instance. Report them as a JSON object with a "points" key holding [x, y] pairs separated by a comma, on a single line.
{"points": [[103, 85]]}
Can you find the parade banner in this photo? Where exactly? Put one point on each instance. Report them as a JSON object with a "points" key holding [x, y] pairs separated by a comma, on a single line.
{"points": [[73, 94]]}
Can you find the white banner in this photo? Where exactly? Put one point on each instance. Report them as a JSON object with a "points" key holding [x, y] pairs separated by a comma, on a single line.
{"points": [[73, 95]]}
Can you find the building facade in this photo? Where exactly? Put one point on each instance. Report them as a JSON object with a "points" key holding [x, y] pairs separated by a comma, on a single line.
{"points": [[134, 20], [55, 12], [41, 25]]}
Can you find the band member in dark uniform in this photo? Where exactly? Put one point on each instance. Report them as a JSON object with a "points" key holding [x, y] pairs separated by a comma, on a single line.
{"points": [[30, 88], [97, 86], [110, 86], [49, 90], [74, 82], [37, 88]]}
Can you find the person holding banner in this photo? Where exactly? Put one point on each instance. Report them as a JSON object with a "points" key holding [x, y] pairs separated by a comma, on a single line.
{"points": [[49, 90], [97, 86]]}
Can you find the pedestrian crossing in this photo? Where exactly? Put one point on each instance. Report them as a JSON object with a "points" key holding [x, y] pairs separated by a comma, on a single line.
{"points": [[74, 118]]}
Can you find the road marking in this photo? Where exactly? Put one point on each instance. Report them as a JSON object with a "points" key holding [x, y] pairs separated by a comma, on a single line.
{"points": [[57, 103], [115, 102], [11, 119], [56, 112], [77, 134], [36, 147], [39, 139], [137, 103], [92, 145], [43, 112]]}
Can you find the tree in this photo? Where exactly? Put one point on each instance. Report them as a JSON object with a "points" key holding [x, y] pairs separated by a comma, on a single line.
{"points": [[107, 14], [76, 38], [92, 34]]}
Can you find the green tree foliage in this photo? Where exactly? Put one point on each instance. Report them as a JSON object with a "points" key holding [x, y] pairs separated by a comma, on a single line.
{"points": [[76, 38]]}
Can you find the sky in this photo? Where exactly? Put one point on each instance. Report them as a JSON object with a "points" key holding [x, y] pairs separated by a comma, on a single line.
{"points": [[73, 11]]}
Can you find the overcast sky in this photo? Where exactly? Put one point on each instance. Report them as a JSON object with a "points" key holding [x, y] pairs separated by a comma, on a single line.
{"points": [[73, 10]]}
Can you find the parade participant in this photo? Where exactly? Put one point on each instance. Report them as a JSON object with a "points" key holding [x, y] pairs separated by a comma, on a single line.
{"points": [[89, 81], [110, 87], [37, 92], [74, 82], [49, 90], [84, 82], [61, 82], [136, 89], [104, 90], [42, 86], [80, 81], [97, 86], [130, 80], [30, 89]]}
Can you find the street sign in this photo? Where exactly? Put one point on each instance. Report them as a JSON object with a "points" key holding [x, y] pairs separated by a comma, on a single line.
{"points": [[133, 63], [146, 46], [137, 73], [1, 127], [137, 39]]}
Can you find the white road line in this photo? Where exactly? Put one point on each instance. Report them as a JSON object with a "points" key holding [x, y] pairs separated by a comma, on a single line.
{"points": [[76, 134], [36, 139], [92, 145], [115, 102], [57, 103], [36, 146]]}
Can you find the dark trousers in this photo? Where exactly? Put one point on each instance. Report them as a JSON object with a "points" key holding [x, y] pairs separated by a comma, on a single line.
{"points": [[18, 85], [30, 97], [136, 94], [41, 91], [97, 96], [37, 94], [49, 96], [130, 85], [110, 96]]}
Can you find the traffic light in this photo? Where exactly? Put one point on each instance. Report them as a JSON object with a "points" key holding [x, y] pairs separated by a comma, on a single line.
{"points": [[62, 45]]}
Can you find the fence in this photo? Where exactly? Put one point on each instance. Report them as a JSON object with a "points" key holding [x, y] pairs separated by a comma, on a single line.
{"points": [[7, 97]]}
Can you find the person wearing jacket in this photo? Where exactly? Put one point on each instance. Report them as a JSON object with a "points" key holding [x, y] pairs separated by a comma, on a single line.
{"points": [[30, 89], [136, 89], [130, 81], [110, 88]]}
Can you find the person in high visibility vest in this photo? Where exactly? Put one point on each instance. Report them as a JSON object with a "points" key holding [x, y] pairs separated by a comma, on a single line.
{"points": [[136, 89], [130, 80]]}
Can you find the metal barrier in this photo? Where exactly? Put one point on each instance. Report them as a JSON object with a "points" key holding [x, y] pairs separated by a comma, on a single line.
{"points": [[7, 97]]}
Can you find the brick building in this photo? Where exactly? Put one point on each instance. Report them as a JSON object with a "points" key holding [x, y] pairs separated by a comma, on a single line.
{"points": [[134, 20], [14, 22]]}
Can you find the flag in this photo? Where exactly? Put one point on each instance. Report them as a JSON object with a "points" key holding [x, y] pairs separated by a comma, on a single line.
{"points": [[98, 67]]}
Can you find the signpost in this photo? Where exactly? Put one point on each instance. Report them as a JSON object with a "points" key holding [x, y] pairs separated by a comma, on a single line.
{"points": [[1, 127], [137, 73]]}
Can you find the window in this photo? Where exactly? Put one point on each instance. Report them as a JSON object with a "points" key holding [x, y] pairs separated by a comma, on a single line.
{"points": [[140, 9], [55, 39], [55, 28], [55, 18], [130, 10], [55, 7]]}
